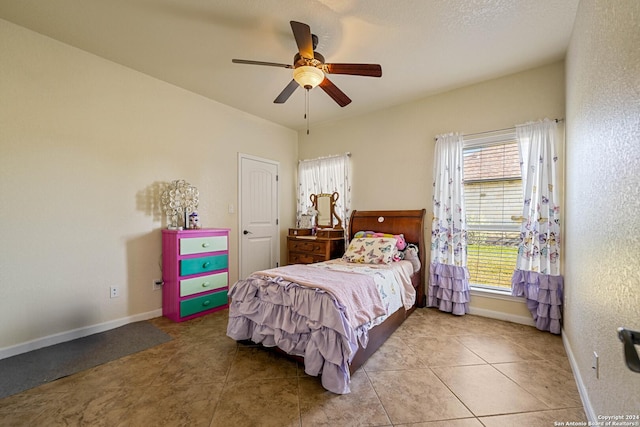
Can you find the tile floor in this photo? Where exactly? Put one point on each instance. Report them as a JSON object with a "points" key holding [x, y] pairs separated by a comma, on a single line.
{"points": [[436, 370]]}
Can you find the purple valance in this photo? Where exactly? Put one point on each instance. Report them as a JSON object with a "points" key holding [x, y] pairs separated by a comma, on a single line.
{"points": [[449, 288], [544, 297]]}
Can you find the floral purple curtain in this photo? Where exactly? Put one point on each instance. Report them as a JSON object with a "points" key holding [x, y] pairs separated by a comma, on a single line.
{"points": [[449, 277], [537, 275]]}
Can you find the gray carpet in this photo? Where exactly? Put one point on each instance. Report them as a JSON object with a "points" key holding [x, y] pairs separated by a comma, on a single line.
{"points": [[28, 370]]}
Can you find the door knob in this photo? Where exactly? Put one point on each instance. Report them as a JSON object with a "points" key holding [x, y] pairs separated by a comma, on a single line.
{"points": [[630, 339], [245, 232]]}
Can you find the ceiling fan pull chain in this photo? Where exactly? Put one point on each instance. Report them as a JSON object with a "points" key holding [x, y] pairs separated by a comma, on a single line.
{"points": [[306, 108]]}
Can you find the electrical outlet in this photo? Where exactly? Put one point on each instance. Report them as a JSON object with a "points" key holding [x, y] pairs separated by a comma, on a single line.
{"points": [[595, 364], [114, 291], [157, 284]]}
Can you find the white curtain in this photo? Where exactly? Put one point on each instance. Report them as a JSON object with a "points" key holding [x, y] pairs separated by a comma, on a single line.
{"points": [[537, 275], [325, 175], [449, 276]]}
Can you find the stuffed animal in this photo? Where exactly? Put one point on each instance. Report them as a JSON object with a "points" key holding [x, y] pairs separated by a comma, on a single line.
{"points": [[411, 254], [194, 221], [401, 242]]}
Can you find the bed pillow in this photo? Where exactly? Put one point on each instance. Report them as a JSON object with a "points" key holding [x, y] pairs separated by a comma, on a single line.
{"points": [[371, 250], [401, 243]]}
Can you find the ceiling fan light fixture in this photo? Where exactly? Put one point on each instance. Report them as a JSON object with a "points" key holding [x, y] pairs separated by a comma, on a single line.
{"points": [[308, 76]]}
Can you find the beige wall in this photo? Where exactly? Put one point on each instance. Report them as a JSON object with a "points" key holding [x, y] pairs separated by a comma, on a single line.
{"points": [[603, 200], [84, 144], [392, 149]]}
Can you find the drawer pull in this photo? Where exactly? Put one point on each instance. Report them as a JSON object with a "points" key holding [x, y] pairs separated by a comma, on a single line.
{"points": [[206, 303], [206, 264], [205, 245], [205, 284]]}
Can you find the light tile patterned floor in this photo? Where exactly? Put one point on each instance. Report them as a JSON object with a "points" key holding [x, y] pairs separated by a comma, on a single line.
{"points": [[436, 370]]}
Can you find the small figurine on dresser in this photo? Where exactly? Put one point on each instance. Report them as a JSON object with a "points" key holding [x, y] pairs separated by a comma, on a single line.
{"points": [[306, 221], [194, 221]]}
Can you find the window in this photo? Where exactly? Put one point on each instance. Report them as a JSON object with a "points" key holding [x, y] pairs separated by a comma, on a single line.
{"points": [[325, 175], [493, 200]]}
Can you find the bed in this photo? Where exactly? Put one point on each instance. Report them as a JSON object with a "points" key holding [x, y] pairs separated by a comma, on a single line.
{"points": [[288, 310]]}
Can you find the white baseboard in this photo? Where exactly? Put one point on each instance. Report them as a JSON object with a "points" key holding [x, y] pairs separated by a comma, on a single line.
{"points": [[582, 389], [523, 320], [75, 333]]}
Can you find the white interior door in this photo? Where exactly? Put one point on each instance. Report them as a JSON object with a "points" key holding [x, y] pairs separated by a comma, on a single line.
{"points": [[258, 212]]}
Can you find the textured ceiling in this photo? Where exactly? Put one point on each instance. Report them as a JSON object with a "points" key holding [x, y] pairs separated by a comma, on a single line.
{"points": [[424, 46]]}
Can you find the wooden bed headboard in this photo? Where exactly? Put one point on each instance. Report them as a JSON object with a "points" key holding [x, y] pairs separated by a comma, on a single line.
{"points": [[410, 223]]}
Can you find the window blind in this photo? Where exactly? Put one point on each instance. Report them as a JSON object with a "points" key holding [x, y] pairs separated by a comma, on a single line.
{"points": [[493, 202]]}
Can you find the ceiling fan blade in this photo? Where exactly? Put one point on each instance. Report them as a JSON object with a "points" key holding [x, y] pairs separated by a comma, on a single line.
{"points": [[286, 93], [270, 64], [302, 34], [336, 94], [369, 70]]}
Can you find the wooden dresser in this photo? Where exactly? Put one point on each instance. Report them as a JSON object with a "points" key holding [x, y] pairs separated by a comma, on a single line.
{"points": [[305, 249], [195, 271]]}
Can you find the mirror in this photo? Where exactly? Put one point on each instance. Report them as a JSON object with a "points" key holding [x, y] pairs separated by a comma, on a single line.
{"points": [[325, 204]]}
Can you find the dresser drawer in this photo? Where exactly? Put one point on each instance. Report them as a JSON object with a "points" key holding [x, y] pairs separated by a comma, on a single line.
{"points": [[203, 283], [205, 302], [308, 246], [195, 270], [304, 258], [198, 245], [203, 264]]}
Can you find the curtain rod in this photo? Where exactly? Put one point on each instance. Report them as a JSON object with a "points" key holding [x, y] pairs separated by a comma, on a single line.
{"points": [[348, 154], [499, 130]]}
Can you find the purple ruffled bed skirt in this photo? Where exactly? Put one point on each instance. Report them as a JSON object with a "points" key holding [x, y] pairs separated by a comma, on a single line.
{"points": [[302, 321], [544, 297], [449, 288]]}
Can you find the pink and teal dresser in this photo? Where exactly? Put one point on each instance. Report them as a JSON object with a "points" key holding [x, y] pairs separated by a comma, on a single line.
{"points": [[195, 270]]}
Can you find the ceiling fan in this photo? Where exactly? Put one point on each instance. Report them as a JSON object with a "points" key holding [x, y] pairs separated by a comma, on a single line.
{"points": [[309, 68]]}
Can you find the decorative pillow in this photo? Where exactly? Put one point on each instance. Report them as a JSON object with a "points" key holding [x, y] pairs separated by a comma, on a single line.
{"points": [[401, 243], [371, 250]]}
